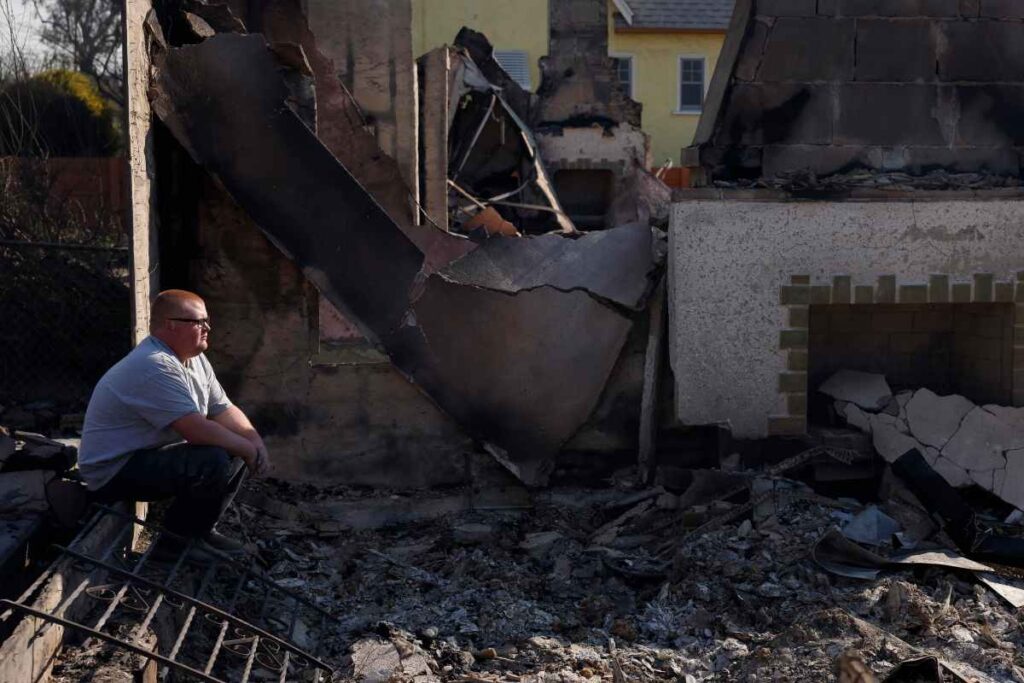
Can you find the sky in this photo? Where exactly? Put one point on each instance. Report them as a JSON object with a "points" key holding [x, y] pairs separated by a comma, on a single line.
{"points": [[26, 25]]}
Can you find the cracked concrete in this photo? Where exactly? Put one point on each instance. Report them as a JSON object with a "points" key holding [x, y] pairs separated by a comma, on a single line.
{"points": [[963, 443]]}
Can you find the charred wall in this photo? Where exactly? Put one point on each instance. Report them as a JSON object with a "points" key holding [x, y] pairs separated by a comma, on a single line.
{"points": [[358, 423], [361, 424], [902, 85], [578, 84]]}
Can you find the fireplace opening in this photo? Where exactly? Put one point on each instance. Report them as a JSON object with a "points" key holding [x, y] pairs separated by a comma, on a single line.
{"points": [[585, 195], [964, 349]]}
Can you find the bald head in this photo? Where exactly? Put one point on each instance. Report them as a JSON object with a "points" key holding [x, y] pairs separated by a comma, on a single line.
{"points": [[171, 303], [179, 319]]}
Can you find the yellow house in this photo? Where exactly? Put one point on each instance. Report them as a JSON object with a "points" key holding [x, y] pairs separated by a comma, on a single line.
{"points": [[666, 51]]}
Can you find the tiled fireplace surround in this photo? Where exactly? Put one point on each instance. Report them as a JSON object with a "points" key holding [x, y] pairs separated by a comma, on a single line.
{"points": [[910, 333], [914, 289]]}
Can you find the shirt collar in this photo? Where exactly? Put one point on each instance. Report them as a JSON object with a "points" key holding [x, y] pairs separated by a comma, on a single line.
{"points": [[164, 347]]}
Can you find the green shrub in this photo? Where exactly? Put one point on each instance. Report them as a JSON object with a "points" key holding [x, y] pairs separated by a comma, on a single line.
{"points": [[57, 113]]}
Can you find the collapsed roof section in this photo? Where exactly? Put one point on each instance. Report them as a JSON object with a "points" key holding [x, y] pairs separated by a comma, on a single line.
{"points": [[516, 351], [833, 87]]}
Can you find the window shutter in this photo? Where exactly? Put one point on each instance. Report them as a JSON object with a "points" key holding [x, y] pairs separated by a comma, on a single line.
{"points": [[516, 64]]}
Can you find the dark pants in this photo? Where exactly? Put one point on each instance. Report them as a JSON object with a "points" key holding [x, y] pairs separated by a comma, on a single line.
{"points": [[202, 480]]}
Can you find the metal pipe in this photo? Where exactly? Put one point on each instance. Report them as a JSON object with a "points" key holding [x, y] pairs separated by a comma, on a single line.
{"points": [[248, 662], [216, 647], [141, 629], [284, 667], [476, 136], [124, 587]]}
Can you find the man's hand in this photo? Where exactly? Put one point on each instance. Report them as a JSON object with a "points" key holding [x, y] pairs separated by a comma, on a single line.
{"points": [[256, 459], [234, 420], [262, 461]]}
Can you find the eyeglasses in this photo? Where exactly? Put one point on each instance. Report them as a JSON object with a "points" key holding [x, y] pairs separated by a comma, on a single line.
{"points": [[201, 322]]}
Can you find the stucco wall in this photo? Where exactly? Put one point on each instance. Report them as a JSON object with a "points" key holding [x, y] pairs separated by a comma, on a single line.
{"points": [[521, 25], [739, 270], [655, 83], [524, 26]]}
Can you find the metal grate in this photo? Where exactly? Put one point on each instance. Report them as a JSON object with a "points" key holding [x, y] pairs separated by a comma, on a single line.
{"points": [[212, 643]]}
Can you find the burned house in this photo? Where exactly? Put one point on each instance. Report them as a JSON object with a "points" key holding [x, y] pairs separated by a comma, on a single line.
{"points": [[587, 126], [306, 352], [430, 287]]}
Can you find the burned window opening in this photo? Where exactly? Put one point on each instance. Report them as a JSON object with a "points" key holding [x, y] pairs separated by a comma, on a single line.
{"points": [[586, 195]]}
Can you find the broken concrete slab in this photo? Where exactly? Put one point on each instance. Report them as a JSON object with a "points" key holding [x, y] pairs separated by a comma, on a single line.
{"points": [[1013, 485], [868, 390], [890, 442], [855, 417], [1011, 416], [953, 473], [980, 441], [933, 419], [520, 371]]}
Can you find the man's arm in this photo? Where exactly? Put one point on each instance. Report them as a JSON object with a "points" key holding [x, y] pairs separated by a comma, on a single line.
{"points": [[235, 420], [201, 431]]}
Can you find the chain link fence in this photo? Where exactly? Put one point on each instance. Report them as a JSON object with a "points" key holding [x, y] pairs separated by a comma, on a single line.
{"points": [[64, 320]]}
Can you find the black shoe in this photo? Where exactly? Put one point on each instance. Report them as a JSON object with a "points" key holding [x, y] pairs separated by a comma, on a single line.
{"points": [[224, 544]]}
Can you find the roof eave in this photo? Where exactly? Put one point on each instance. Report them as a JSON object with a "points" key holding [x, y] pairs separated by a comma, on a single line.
{"points": [[625, 10]]}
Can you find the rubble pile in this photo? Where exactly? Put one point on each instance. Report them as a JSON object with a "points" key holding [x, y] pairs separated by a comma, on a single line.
{"points": [[965, 443], [618, 584]]}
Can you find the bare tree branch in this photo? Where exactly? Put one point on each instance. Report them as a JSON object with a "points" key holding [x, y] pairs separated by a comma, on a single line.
{"points": [[85, 35]]}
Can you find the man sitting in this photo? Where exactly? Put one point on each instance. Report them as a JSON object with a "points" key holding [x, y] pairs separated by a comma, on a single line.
{"points": [[159, 425]]}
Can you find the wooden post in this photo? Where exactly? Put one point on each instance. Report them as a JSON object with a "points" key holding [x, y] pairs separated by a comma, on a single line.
{"points": [[646, 460]]}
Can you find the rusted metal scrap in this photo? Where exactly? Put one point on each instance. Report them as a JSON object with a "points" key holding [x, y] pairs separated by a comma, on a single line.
{"points": [[518, 357], [490, 162]]}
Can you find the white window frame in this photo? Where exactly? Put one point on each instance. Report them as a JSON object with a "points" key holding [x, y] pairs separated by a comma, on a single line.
{"points": [[632, 70], [695, 111]]}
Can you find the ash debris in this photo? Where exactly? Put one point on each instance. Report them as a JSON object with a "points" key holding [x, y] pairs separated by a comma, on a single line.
{"points": [[594, 584], [861, 179]]}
